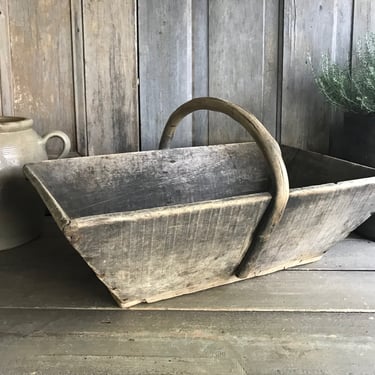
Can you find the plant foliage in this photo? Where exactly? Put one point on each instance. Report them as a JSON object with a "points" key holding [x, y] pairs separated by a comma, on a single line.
{"points": [[352, 88]]}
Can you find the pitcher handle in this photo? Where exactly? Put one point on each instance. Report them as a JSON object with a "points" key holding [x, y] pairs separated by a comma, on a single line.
{"points": [[65, 139]]}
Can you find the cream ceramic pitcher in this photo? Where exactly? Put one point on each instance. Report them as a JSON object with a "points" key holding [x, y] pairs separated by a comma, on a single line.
{"points": [[21, 209]]}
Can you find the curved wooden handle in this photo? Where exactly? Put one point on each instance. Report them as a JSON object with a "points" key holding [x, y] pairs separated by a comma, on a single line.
{"points": [[267, 145]]}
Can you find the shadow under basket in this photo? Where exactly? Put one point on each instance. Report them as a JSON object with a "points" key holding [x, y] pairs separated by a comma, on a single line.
{"points": [[157, 224]]}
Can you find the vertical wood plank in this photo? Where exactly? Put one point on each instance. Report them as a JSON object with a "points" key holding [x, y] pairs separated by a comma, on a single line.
{"points": [[6, 90], [311, 28], [243, 44], [78, 75], [363, 18], [200, 68], [165, 67], [111, 75], [42, 65]]}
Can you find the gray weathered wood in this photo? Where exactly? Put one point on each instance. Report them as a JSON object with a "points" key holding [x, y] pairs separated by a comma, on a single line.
{"points": [[40, 36], [48, 273], [243, 38], [165, 67], [307, 168], [269, 147], [79, 75], [200, 74], [111, 76], [311, 28], [95, 342], [151, 252], [154, 179], [314, 219], [352, 254], [6, 89], [363, 19], [155, 230], [343, 291]]}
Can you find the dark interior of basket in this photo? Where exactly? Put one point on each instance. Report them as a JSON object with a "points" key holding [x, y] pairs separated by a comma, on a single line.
{"points": [[135, 181]]}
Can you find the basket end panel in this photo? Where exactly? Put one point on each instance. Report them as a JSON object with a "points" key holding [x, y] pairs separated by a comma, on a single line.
{"points": [[314, 220], [162, 254], [37, 181]]}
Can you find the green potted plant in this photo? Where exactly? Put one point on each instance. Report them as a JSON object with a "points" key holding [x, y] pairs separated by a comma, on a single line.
{"points": [[351, 88]]}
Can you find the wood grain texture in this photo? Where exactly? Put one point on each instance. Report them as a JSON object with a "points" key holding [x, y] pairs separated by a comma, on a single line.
{"points": [[306, 168], [266, 143], [165, 67], [153, 179], [363, 19], [328, 212], [6, 89], [317, 291], [49, 274], [188, 241], [311, 28], [111, 76], [170, 252], [76, 17], [40, 36], [169, 342], [200, 64], [152, 204], [243, 39], [352, 254]]}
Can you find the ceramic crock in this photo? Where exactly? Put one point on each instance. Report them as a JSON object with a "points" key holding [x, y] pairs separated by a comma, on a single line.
{"points": [[21, 209]]}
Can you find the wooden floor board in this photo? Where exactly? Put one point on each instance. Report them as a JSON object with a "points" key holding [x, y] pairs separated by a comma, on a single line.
{"points": [[170, 342], [352, 254], [284, 291]]}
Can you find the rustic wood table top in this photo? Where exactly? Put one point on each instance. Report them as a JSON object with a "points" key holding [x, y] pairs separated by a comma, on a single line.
{"points": [[57, 318]]}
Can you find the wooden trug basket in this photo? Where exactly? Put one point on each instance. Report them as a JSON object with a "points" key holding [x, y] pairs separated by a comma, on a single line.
{"points": [[158, 224]]}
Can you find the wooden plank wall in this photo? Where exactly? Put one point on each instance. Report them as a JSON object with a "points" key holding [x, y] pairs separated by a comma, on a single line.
{"points": [[311, 28], [243, 37], [75, 65], [165, 69], [72, 65]]}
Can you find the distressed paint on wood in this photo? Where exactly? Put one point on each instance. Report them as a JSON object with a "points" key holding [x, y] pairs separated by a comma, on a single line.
{"points": [[111, 76], [6, 89], [165, 67], [40, 36], [243, 43], [311, 28]]}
